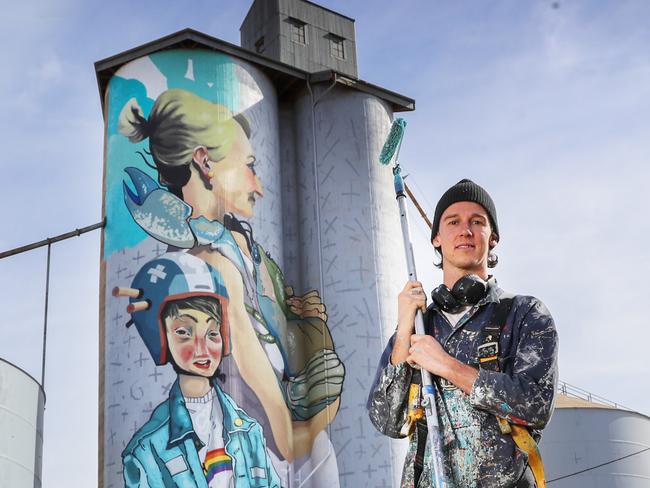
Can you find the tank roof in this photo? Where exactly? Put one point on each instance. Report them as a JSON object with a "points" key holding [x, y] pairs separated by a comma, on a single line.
{"points": [[565, 401], [24, 372]]}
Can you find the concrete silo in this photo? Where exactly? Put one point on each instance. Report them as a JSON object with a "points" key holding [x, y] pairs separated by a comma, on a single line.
{"points": [[594, 443], [22, 402]]}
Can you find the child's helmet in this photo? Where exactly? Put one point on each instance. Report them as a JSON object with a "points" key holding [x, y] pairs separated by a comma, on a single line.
{"points": [[173, 276]]}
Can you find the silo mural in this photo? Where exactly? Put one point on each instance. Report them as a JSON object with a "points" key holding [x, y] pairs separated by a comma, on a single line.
{"points": [[217, 371]]}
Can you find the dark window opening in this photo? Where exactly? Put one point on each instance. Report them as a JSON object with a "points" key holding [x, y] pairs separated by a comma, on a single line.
{"points": [[337, 46], [298, 31]]}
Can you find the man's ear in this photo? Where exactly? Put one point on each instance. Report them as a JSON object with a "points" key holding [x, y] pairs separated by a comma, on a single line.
{"points": [[202, 159], [493, 241], [436, 241]]}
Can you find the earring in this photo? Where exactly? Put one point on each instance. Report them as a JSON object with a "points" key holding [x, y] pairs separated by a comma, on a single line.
{"points": [[210, 174]]}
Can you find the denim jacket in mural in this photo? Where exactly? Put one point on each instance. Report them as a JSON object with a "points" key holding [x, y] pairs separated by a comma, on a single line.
{"points": [[476, 453], [164, 452]]}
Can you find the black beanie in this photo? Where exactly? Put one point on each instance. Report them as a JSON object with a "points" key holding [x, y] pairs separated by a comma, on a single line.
{"points": [[465, 191]]}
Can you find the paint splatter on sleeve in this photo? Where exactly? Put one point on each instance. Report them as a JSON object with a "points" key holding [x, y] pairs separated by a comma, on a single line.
{"points": [[387, 404], [525, 395]]}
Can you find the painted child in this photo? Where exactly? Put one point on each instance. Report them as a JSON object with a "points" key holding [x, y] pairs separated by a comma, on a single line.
{"points": [[198, 437]]}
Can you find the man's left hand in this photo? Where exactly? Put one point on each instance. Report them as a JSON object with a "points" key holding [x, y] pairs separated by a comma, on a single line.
{"points": [[426, 352]]}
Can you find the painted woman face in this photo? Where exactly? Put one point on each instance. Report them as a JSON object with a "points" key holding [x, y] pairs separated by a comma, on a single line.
{"points": [[194, 340], [235, 180]]}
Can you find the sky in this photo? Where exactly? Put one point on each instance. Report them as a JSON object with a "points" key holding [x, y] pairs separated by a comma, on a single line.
{"points": [[543, 103]]}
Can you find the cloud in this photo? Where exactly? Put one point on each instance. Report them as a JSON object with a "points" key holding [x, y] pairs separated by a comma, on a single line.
{"points": [[49, 70]]}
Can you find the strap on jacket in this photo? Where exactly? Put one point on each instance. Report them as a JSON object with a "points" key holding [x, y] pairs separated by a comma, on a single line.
{"points": [[488, 357]]}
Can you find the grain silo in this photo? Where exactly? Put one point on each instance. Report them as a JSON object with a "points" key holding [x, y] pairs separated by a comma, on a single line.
{"points": [[22, 402], [592, 442], [243, 181]]}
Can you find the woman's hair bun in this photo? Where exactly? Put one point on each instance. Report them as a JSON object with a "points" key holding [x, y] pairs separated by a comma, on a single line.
{"points": [[132, 122]]}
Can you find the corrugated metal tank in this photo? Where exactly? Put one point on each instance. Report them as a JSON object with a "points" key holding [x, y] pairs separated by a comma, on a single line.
{"points": [[22, 402], [591, 445]]}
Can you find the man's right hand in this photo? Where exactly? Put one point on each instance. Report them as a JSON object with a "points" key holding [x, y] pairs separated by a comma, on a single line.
{"points": [[410, 299]]}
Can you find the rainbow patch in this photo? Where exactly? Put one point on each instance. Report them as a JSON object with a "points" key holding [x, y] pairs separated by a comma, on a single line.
{"points": [[216, 462]]}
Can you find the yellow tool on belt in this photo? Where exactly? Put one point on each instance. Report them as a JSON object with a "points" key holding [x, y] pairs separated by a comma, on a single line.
{"points": [[415, 410], [527, 444]]}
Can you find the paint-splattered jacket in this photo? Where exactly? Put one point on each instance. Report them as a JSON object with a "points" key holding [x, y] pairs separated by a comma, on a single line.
{"points": [[477, 454]]}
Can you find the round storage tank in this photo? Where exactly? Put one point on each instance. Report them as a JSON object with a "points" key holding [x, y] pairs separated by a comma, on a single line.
{"points": [[591, 445], [22, 401]]}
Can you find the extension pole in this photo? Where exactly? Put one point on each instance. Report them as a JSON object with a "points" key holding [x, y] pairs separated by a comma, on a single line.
{"points": [[428, 392]]}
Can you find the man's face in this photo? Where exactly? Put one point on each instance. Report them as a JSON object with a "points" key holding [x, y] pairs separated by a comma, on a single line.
{"points": [[195, 341], [464, 237]]}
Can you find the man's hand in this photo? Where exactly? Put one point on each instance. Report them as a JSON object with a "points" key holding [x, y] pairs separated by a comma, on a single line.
{"points": [[307, 305], [410, 299], [426, 352]]}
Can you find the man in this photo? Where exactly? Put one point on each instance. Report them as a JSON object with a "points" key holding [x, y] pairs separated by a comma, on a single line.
{"points": [[493, 355]]}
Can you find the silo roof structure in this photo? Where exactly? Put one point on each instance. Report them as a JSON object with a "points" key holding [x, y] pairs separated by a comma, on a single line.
{"points": [[285, 77]]}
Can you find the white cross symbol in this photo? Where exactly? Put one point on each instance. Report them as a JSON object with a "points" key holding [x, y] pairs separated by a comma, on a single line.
{"points": [[157, 272]]}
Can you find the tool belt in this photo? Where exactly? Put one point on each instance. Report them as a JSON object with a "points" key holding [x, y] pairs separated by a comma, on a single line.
{"points": [[487, 355]]}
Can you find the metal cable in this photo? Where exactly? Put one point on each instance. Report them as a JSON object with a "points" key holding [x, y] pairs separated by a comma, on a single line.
{"points": [[598, 466]]}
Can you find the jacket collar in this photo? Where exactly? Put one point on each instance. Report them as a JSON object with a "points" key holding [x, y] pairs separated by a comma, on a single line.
{"points": [[180, 422], [493, 292]]}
